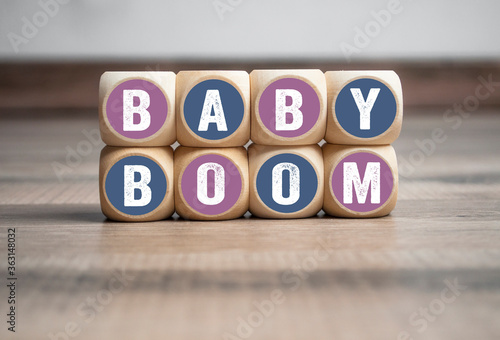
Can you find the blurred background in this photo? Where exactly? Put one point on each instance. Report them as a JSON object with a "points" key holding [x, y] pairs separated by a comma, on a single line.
{"points": [[55, 50], [96, 30]]}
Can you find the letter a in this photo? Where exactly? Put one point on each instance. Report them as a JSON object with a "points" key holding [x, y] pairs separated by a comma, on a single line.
{"points": [[130, 185], [212, 100]]}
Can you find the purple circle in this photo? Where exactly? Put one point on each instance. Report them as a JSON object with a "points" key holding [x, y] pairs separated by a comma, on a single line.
{"points": [[310, 107], [361, 159], [158, 108], [232, 185]]}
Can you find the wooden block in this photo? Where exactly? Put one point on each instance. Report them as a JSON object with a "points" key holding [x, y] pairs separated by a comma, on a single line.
{"points": [[136, 184], [211, 183], [364, 107], [285, 181], [360, 181], [288, 107], [213, 108], [137, 108]]}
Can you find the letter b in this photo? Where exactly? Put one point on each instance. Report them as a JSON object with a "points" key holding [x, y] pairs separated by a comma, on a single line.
{"points": [[136, 184], [294, 109], [130, 185], [288, 107], [129, 109]]}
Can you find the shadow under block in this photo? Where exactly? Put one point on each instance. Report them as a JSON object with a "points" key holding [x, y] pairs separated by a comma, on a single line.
{"points": [[137, 108], [213, 108], [360, 181], [136, 184], [211, 183], [364, 107], [285, 181], [288, 107]]}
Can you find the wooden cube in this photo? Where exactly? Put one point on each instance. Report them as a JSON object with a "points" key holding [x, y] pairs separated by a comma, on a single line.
{"points": [[288, 107], [360, 181], [136, 184], [364, 107], [211, 183], [213, 108], [137, 108], [285, 181]]}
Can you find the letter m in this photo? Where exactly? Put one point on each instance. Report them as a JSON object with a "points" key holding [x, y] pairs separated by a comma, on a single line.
{"points": [[352, 179]]}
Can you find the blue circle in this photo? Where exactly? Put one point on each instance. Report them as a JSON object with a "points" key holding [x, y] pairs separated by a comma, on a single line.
{"points": [[115, 185], [308, 183], [232, 105], [382, 114]]}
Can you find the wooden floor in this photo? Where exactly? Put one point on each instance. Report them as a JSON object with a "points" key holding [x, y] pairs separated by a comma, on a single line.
{"points": [[329, 278]]}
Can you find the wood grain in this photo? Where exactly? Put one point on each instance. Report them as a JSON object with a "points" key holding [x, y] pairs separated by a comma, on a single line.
{"points": [[340, 278]]}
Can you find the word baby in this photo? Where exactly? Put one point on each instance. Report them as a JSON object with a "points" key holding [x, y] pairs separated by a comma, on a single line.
{"points": [[284, 173]]}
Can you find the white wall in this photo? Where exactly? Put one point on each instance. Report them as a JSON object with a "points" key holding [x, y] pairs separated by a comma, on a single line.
{"points": [[249, 29]]}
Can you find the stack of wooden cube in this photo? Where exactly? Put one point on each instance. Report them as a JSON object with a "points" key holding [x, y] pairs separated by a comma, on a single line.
{"points": [[213, 115]]}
